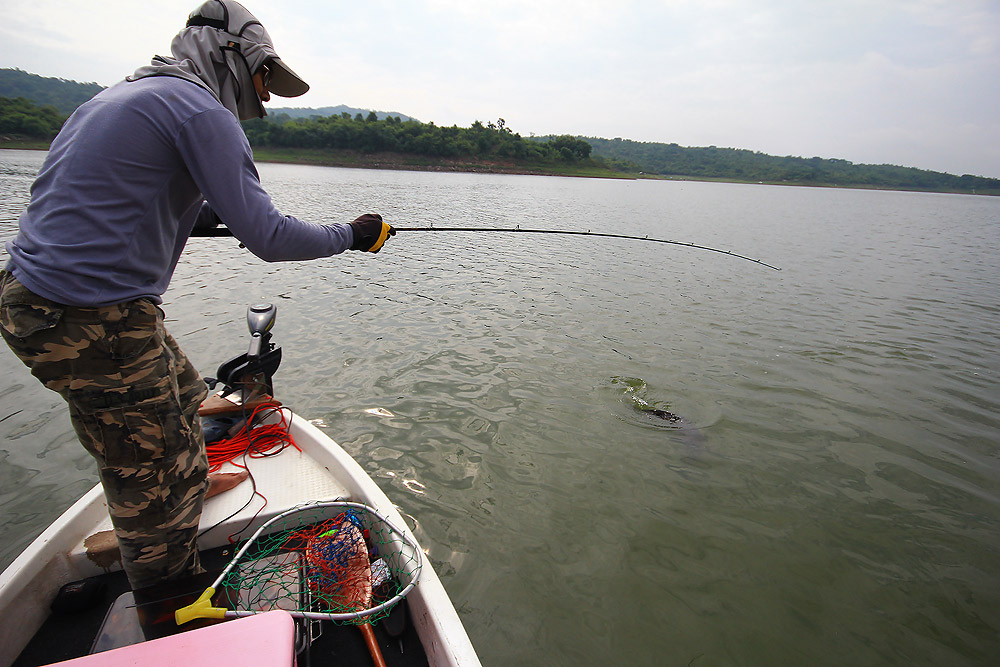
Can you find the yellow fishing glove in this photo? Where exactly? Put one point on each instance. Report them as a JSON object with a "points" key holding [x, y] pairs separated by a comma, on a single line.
{"points": [[370, 233]]}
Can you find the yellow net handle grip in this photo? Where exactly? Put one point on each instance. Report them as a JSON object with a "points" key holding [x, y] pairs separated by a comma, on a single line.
{"points": [[200, 608]]}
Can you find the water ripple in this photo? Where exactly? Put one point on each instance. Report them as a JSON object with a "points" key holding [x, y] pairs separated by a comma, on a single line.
{"points": [[833, 501]]}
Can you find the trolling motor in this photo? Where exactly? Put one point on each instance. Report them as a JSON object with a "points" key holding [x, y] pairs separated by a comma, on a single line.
{"points": [[252, 372]]}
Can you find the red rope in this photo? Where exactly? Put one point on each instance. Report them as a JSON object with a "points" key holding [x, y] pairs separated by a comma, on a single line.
{"points": [[261, 441]]}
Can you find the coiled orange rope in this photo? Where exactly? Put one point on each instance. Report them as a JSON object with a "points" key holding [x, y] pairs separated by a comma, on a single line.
{"points": [[256, 442]]}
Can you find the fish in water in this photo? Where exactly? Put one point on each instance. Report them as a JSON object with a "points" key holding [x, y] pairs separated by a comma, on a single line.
{"points": [[647, 409], [639, 411], [633, 386]]}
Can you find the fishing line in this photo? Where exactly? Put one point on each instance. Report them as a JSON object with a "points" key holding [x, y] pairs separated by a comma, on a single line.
{"points": [[223, 231]]}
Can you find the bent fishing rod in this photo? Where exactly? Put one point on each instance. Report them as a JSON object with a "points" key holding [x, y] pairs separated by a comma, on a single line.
{"points": [[224, 231]]}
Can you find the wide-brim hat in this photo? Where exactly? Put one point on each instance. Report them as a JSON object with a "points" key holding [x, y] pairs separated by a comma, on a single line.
{"points": [[233, 18], [284, 81]]}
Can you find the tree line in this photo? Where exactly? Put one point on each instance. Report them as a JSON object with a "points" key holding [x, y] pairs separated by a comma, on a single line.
{"points": [[20, 117], [734, 164], [368, 134]]}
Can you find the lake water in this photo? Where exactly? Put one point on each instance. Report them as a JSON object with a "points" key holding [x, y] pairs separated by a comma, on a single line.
{"points": [[832, 496]]}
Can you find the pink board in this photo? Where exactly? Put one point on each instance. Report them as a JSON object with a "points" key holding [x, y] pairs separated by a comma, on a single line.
{"points": [[253, 641]]}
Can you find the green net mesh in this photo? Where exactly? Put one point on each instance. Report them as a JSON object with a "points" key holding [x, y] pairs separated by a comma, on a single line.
{"points": [[337, 561]]}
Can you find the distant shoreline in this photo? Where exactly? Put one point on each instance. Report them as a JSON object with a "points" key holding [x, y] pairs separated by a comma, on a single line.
{"points": [[408, 162]]}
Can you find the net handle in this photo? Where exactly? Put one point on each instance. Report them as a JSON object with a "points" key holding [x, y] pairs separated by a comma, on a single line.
{"points": [[202, 607]]}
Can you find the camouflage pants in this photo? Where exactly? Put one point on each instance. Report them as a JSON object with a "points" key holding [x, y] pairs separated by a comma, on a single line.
{"points": [[133, 399]]}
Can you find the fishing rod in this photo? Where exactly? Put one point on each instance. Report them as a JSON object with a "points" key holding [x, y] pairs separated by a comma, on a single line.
{"points": [[579, 233], [224, 231]]}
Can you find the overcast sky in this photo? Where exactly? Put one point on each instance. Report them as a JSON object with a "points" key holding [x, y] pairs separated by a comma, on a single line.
{"points": [[910, 82]]}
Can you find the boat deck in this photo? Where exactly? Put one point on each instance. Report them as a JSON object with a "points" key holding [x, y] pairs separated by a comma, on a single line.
{"points": [[281, 482]]}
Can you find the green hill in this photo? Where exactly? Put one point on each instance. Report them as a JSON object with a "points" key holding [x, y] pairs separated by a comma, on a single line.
{"points": [[62, 94]]}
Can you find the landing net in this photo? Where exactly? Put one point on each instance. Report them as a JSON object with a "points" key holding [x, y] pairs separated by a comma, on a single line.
{"points": [[337, 561]]}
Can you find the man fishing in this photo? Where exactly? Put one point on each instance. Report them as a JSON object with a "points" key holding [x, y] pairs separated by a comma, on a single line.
{"points": [[132, 172]]}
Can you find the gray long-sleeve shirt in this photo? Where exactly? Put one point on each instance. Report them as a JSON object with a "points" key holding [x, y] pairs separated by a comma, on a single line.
{"points": [[123, 185]]}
